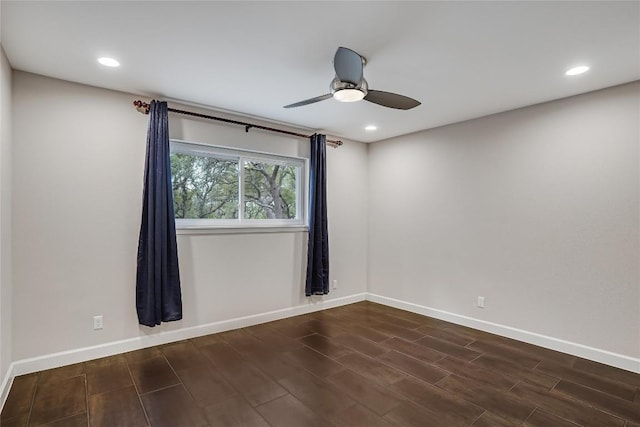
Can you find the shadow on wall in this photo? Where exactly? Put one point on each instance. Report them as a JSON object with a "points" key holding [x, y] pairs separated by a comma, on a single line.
{"points": [[299, 271]]}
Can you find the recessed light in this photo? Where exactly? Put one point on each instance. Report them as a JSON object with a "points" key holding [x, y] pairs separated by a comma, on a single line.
{"points": [[108, 62], [577, 70], [371, 127]]}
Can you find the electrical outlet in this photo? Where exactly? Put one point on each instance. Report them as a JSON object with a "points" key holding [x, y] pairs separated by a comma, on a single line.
{"points": [[480, 302], [97, 322], [335, 283]]}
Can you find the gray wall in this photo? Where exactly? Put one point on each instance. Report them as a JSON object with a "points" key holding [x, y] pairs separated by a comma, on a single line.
{"points": [[78, 166], [535, 209], [5, 215]]}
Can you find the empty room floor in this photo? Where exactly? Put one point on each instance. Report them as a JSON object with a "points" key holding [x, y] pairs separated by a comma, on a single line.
{"points": [[362, 364]]}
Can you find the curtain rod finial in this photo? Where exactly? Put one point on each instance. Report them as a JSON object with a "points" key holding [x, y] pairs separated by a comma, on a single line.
{"points": [[142, 107]]}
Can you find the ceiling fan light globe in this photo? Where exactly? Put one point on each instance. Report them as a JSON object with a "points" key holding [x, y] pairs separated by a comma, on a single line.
{"points": [[348, 95]]}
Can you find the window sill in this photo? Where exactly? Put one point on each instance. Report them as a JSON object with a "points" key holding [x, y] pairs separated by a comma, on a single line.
{"points": [[202, 230]]}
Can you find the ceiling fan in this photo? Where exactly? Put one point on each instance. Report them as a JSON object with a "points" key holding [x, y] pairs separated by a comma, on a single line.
{"points": [[349, 85]]}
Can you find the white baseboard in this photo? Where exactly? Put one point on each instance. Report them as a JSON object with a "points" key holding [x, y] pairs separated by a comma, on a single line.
{"points": [[7, 381], [598, 355], [49, 361], [54, 360]]}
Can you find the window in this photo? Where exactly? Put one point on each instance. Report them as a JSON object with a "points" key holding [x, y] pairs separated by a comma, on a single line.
{"points": [[218, 187]]}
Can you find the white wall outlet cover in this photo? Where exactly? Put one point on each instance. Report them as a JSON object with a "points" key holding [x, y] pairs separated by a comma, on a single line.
{"points": [[97, 322]]}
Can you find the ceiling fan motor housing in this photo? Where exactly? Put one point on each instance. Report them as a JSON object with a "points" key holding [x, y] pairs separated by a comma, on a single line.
{"points": [[338, 85]]}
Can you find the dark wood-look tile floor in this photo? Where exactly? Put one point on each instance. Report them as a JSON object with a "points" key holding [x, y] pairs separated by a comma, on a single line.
{"points": [[363, 364]]}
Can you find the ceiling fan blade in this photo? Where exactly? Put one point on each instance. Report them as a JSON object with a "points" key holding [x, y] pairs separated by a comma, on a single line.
{"points": [[391, 100], [348, 65], [309, 101]]}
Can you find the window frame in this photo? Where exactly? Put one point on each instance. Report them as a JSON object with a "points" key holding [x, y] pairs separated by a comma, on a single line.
{"points": [[191, 225]]}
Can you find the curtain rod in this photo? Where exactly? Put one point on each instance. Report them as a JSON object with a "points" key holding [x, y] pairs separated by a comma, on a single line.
{"points": [[143, 107]]}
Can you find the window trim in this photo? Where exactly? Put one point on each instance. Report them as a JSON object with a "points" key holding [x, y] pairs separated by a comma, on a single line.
{"points": [[206, 226]]}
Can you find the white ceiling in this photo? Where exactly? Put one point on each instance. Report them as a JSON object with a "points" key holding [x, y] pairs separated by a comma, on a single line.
{"points": [[460, 59]]}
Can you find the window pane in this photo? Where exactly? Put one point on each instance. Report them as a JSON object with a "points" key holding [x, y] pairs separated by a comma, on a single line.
{"points": [[269, 191], [204, 187]]}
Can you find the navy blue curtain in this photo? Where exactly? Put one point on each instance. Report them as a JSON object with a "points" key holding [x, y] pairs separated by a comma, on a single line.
{"points": [[318, 249], [158, 296]]}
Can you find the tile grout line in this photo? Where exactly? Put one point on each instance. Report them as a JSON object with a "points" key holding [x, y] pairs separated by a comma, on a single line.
{"points": [[183, 386], [238, 392], [86, 392], [589, 404], [135, 386], [33, 399], [535, 408]]}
